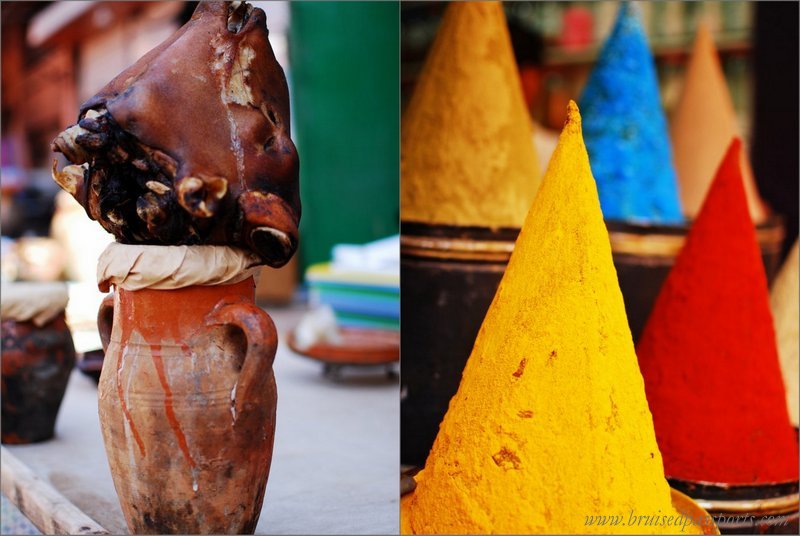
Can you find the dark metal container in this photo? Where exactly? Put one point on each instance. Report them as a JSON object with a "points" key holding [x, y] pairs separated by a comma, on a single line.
{"points": [[448, 277], [747, 509], [644, 255]]}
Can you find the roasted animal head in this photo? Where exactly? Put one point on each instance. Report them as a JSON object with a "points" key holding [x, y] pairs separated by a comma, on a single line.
{"points": [[191, 144]]}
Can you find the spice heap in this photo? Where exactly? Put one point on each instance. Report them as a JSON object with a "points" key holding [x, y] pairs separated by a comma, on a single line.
{"points": [[550, 422], [466, 151], [626, 131], [190, 145], [708, 352], [702, 126], [785, 302]]}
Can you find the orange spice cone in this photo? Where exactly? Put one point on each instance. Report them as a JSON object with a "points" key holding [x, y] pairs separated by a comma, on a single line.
{"points": [[550, 423], [466, 155], [708, 352], [702, 126], [785, 303]]}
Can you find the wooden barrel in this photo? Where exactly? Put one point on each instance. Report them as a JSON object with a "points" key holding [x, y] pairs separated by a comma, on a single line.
{"points": [[644, 254], [449, 276], [747, 509]]}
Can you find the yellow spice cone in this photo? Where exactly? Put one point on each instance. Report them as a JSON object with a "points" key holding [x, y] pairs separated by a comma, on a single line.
{"points": [[786, 312], [703, 124], [466, 155], [550, 423]]}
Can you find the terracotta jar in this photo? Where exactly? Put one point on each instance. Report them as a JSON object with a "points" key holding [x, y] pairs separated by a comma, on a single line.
{"points": [[38, 356], [187, 403]]}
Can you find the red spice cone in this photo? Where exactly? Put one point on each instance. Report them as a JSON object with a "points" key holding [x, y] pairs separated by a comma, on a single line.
{"points": [[708, 353]]}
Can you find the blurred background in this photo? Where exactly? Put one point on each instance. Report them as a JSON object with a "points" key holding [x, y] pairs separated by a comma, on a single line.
{"points": [[556, 45], [344, 89]]}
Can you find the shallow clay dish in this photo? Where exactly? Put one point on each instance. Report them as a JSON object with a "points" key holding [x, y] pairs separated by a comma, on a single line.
{"points": [[91, 364], [686, 506], [358, 347]]}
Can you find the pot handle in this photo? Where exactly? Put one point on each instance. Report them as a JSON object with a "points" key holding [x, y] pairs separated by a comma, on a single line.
{"points": [[105, 320], [262, 343]]}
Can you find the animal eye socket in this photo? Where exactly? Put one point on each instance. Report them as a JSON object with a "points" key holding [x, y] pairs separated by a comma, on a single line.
{"points": [[269, 143]]}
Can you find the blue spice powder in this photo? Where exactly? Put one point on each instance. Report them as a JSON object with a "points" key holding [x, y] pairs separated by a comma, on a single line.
{"points": [[625, 129]]}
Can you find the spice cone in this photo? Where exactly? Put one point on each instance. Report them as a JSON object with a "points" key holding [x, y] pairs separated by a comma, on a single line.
{"points": [[703, 124], [466, 152], [550, 422], [785, 303], [708, 352], [626, 131]]}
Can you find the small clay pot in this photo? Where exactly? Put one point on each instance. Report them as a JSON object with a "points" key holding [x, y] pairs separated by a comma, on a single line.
{"points": [[187, 402], [36, 366]]}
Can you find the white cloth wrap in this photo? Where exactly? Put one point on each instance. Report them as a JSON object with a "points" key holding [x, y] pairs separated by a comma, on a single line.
{"points": [[136, 267], [36, 302]]}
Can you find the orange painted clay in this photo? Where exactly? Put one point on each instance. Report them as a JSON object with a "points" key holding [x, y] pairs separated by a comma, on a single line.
{"points": [[187, 408]]}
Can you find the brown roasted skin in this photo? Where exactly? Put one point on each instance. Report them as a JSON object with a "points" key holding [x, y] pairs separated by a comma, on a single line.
{"points": [[191, 144]]}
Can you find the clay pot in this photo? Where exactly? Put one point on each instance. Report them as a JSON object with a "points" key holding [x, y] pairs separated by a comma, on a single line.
{"points": [[36, 365], [187, 402]]}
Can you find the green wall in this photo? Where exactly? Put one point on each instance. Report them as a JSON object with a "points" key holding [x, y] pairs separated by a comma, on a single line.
{"points": [[346, 123]]}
